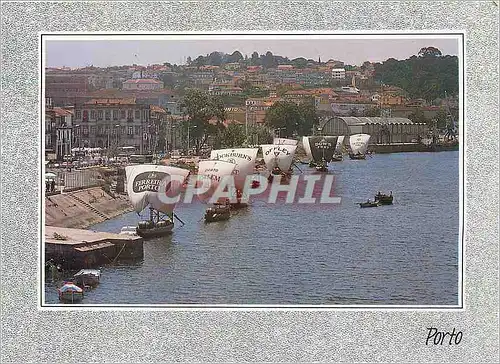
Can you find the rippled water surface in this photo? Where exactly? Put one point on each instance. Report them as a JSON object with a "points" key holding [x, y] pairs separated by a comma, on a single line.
{"points": [[404, 254]]}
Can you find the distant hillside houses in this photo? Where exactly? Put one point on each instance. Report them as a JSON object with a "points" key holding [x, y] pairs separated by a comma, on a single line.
{"points": [[143, 84]]}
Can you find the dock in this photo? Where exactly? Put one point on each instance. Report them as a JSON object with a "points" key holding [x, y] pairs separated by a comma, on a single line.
{"points": [[77, 248]]}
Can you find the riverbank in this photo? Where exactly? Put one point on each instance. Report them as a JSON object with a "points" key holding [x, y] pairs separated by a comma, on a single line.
{"points": [[76, 249], [83, 208]]}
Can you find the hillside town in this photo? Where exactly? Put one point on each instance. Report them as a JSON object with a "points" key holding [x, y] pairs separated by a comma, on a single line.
{"points": [[139, 109], [171, 172]]}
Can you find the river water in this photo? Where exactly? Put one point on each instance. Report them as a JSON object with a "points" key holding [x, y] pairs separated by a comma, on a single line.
{"points": [[316, 254]]}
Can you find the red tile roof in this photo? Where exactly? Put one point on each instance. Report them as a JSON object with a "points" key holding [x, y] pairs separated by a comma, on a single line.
{"points": [[61, 112], [157, 109]]}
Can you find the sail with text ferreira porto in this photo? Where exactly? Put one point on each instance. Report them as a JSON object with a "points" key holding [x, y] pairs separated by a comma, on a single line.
{"points": [[156, 187]]}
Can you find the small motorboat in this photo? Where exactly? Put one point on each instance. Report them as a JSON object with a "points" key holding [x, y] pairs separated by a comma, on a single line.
{"points": [[322, 167], [357, 156], [218, 213], [384, 199], [129, 230], [337, 158], [87, 278], [70, 293], [369, 204]]}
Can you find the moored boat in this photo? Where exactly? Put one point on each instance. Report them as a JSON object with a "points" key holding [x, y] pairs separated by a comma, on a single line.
{"points": [[244, 159], [321, 150], [358, 144], [87, 278], [128, 230], [337, 155], [155, 227], [218, 213], [156, 187], [70, 293], [384, 199], [337, 158], [369, 204], [278, 159], [214, 171], [321, 166]]}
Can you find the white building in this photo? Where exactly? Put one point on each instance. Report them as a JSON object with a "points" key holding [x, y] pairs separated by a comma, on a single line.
{"points": [[338, 73]]}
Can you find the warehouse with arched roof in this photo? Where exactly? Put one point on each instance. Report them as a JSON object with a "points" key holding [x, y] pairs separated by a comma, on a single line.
{"points": [[383, 130]]}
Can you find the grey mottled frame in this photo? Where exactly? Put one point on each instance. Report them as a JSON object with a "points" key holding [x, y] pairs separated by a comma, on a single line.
{"points": [[294, 335]]}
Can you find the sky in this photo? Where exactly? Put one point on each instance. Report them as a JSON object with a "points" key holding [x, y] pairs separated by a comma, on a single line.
{"points": [[80, 51]]}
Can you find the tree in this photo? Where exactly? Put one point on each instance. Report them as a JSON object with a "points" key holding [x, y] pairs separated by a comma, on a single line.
{"points": [[308, 117], [199, 107], [259, 134], [291, 118], [235, 57], [442, 119], [426, 76], [215, 59], [255, 60], [418, 117], [268, 60], [233, 136], [429, 52], [372, 112], [200, 61], [299, 62], [283, 115]]}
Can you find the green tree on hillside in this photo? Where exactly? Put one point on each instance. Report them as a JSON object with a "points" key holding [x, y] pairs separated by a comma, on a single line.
{"points": [[418, 117], [199, 107], [259, 134], [233, 136], [427, 76], [372, 112], [291, 118], [429, 52]]}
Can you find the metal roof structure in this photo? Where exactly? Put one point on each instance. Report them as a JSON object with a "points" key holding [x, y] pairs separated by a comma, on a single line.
{"points": [[352, 120]]}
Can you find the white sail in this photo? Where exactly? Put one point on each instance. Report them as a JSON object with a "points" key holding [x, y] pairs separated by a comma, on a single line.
{"points": [[359, 143], [244, 158], [280, 156], [338, 148], [285, 141], [214, 170], [307, 147], [149, 185]]}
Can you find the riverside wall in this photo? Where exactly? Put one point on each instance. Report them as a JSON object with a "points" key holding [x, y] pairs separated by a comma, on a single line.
{"points": [[83, 208]]}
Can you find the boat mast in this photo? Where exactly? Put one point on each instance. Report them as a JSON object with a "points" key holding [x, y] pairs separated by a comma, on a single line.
{"points": [[151, 214]]}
